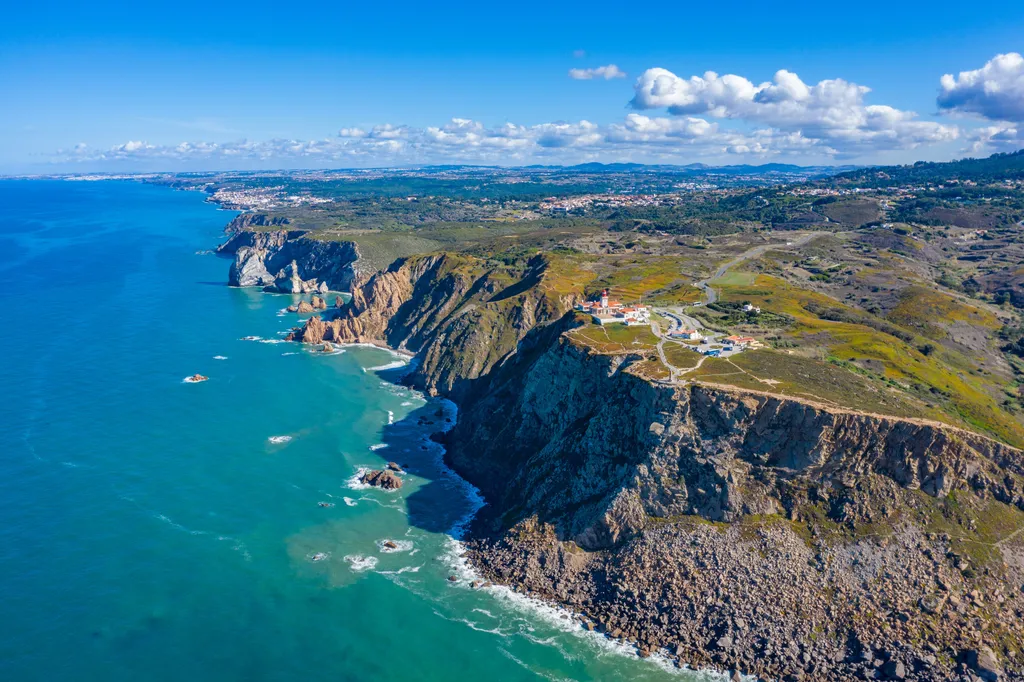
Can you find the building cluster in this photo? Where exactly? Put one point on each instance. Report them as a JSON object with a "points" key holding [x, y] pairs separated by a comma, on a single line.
{"points": [[606, 311], [262, 199], [566, 204]]}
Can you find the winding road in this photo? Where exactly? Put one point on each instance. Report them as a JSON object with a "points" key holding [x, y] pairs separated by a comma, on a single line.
{"points": [[680, 319]]}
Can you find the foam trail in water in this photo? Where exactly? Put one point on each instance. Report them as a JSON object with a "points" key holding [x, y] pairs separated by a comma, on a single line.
{"points": [[361, 563]]}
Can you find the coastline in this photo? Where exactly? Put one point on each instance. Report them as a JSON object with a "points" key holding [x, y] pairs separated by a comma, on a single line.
{"points": [[574, 405]]}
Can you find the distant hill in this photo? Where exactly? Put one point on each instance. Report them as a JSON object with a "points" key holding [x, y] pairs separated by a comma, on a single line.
{"points": [[994, 168], [704, 169]]}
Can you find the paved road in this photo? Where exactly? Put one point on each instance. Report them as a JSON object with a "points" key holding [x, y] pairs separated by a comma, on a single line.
{"points": [[681, 320]]}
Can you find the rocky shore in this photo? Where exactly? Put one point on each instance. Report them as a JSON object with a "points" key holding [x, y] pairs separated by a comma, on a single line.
{"points": [[735, 530]]}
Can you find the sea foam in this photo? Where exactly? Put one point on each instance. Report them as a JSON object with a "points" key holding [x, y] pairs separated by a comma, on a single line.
{"points": [[361, 563]]}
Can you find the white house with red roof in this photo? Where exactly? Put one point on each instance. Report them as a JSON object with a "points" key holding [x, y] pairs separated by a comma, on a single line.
{"points": [[608, 311]]}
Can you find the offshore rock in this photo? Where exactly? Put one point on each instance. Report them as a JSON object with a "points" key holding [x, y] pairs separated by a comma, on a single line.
{"points": [[381, 479]]}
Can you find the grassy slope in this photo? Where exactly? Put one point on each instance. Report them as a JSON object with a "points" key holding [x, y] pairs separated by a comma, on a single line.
{"points": [[942, 380]]}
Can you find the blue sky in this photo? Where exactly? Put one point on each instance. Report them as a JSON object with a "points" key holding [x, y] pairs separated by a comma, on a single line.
{"points": [[107, 86]]}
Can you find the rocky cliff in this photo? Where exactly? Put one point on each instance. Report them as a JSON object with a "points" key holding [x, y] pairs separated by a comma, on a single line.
{"points": [[248, 221], [460, 314], [726, 528], [289, 261], [597, 451], [747, 531]]}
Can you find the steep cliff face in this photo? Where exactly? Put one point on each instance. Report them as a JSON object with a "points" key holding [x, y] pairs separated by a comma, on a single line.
{"points": [[289, 261], [599, 452], [462, 315], [742, 530]]}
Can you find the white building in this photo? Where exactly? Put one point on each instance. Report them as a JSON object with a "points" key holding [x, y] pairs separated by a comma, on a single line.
{"points": [[607, 311]]}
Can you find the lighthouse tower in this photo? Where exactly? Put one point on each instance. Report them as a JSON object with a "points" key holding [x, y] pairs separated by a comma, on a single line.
{"points": [[604, 300]]}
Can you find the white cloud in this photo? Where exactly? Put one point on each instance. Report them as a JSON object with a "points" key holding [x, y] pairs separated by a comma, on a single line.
{"points": [[831, 114], [674, 139], [995, 91], [680, 138], [606, 72], [1004, 137]]}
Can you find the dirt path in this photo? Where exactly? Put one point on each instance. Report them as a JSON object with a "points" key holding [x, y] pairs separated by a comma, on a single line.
{"points": [[755, 252]]}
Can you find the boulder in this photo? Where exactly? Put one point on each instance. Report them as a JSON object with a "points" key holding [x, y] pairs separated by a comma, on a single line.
{"points": [[318, 303], [328, 348], [393, 466], [381, 479], [304, 308], [984, 662]]}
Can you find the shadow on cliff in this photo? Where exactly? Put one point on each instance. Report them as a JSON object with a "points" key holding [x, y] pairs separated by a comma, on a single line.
{"points": [[444, 498], [421, 438]]}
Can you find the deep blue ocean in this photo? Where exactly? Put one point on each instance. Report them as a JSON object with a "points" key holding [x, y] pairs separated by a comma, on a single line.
{"points": [[152, 529]]}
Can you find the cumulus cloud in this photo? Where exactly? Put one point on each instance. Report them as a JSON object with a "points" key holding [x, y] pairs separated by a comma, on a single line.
{"points": [[831, 114], [995, 91], [668, 138], [606, 72], [1005, 137]]}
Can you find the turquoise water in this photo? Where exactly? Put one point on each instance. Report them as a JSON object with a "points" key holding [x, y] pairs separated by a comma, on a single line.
{"points": [[151, 530]]}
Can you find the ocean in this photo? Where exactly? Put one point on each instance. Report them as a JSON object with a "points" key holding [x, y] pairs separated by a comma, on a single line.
{"points": [[153, 529]]}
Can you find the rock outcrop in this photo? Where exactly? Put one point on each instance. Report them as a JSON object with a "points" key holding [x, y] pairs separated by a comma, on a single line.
{"points": [[385, 479], [289, 262]]}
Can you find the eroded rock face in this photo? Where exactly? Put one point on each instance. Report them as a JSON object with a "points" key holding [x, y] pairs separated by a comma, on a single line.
{"points": [[289, 261], [693, 507], [450, 309], [578, 447], [249, 269], [385, 479]]}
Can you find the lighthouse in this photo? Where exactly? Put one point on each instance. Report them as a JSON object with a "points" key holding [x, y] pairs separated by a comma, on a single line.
{"points": [[604, 300]]}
